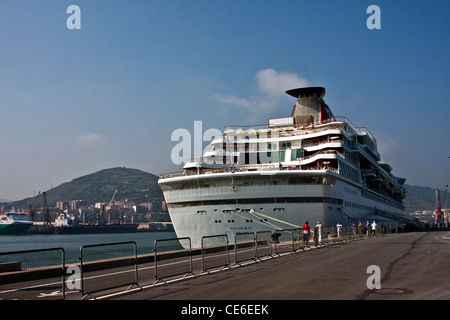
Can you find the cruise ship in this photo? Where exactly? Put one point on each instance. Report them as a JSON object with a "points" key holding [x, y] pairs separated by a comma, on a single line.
{"points": [[309, 166]]}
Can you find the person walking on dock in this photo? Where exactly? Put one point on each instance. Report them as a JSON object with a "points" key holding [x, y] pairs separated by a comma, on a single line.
{"points": [[306, 230], [374, 227], [338, 228], [319, 232]]}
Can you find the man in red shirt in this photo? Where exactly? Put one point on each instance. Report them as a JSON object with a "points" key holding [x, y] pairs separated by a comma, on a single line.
{"points": [[306, 231]]}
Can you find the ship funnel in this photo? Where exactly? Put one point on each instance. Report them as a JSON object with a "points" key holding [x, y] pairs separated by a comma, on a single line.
{"points": [[310, 107]]}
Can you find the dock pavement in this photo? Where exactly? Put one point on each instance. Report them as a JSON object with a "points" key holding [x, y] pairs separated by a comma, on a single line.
{"points": [[405, 266]]}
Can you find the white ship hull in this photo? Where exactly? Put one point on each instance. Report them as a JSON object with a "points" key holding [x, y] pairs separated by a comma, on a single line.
{"points": [[224, 210]]}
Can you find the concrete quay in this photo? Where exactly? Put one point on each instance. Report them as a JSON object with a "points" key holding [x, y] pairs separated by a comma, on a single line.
{"points": [[412, 266]]}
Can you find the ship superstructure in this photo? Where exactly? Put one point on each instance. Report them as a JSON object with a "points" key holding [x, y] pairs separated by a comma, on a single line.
{"points": [[310, 166]]}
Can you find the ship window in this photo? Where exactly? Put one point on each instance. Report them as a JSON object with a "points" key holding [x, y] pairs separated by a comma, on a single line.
{"points": [[282, 155], [296, 153], [285, 145]]}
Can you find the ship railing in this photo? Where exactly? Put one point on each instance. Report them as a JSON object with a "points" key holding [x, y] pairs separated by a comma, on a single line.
{"points": [[323, 152], [198, 171], [246, 168], [252, 128], [313, 127], [248, 129], [289, 130], [318, 143]]}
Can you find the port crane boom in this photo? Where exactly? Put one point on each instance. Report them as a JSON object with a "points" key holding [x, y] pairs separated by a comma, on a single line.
{"points": [[112, 199], [47, 217]]}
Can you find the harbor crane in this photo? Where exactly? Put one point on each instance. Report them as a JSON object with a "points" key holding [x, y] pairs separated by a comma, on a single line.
{"points": [[47, 217], [108, 208], [32, 209], [442, 217], [112, 199], [446, 216]]}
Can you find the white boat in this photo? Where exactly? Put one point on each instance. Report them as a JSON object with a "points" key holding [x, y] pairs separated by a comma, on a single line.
{"points": [[310, 166], [14, 223]]}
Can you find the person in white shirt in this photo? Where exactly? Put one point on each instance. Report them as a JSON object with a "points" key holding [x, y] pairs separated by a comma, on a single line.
{"points": [[374, 226], [339, 227], [319, 231]]}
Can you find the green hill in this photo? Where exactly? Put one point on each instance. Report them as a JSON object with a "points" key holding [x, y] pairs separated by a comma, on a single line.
{"points": [[132, 184]]}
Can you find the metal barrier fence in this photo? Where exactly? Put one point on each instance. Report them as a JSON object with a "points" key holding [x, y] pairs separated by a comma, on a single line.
{"points": [[320, 235], [263, 247], [351, 232], [22, 272], [285, 240], [163, 271], [215, 252], [244, 247], [116, 261]]}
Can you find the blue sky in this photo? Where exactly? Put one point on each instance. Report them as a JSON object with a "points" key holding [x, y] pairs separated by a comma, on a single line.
{"points": [[73, 102]]}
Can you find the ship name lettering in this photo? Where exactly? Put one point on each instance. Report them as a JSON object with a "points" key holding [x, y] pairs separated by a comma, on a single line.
{"points": [[241, 228]]}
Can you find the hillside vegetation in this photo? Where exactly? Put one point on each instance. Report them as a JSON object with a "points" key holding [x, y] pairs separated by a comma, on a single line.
{"points": [[132, 184]]}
